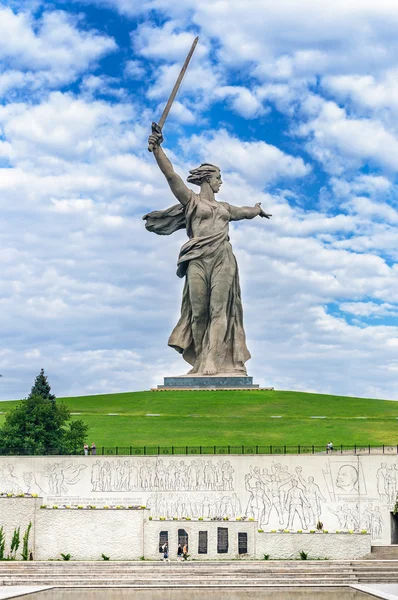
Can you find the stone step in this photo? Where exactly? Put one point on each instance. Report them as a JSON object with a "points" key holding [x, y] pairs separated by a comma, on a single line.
{"points": [[173, 583], [197, 578]]}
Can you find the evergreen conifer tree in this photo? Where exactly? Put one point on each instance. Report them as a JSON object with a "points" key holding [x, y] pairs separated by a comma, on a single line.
{"points": [[39, 425], [41, 387]]}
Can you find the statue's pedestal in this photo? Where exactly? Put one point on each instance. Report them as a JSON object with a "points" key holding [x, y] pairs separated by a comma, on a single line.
{"points": [[216, 382]]}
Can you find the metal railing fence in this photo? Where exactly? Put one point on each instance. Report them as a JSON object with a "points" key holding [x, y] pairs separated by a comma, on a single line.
{"points": [[270, 449]]}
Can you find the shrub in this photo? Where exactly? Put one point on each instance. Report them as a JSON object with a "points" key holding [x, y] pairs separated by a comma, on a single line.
{"points": [[65, 556], [15, 541], [25, 544], [105, 557], [2, 543], [303, 555], [319, 526], [265, 556]]}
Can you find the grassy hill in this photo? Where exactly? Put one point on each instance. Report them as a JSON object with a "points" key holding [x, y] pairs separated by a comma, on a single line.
{"points": [[234, 418]]}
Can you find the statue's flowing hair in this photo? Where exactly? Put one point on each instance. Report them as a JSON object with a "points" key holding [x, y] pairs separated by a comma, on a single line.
{"points": [[202, 173]]}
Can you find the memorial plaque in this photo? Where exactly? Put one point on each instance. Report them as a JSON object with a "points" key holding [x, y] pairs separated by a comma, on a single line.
{"points": [[202, 544], [222, 540], [242, 543]]}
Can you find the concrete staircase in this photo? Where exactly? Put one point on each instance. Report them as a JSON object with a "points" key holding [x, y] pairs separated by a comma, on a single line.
{"points": [[198, 574]]}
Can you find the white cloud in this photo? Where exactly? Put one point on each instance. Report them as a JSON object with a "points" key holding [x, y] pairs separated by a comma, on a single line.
{"points": [[258, 162], [338, 141], [377, 94], [367, 309], [50, 51]]}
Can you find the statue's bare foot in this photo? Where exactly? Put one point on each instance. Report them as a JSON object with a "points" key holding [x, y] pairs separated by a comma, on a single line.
{"points": [[192, 371], [210, 367]]}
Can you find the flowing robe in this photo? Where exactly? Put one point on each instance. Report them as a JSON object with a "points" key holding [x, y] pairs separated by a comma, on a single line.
{"points": [[210, 257]]}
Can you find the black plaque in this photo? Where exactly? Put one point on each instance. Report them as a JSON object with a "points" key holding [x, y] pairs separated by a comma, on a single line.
{"points": [[202, 544], [242, 543], [222, 540]]}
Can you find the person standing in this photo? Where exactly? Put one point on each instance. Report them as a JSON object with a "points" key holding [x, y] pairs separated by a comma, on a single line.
{"points": [[179, 552], [165, 549], [93, 449], [85, 449]]}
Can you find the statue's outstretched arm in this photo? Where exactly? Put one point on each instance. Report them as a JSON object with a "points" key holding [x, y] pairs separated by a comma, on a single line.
{"points": [[247, 212], [177, 186]]}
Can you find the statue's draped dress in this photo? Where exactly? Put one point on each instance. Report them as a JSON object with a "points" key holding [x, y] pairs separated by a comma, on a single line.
{"points": [[210, 258]]}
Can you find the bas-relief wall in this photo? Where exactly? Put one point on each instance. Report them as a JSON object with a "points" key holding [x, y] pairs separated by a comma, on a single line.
{"points": [[290, 492]]}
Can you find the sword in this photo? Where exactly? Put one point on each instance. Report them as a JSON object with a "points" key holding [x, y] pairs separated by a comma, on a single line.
{"points": [[157, 127]]}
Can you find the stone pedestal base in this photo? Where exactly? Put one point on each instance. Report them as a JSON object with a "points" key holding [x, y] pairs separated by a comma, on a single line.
{"points": [[199, 382]]}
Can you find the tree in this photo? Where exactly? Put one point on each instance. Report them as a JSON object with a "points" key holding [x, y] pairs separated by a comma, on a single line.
{"points": [[75, 435], [40, 425], [41, 387]]}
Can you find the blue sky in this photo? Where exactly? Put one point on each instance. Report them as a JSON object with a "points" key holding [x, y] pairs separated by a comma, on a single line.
{"points": [[297, 103]]}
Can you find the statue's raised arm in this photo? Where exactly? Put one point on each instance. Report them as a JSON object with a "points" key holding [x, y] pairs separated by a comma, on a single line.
{"points": [[177, 186]]}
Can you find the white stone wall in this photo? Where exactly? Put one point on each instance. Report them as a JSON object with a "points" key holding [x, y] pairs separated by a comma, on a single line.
{"points": [[18, 512], [124, 534], [352, 492], [153, 528], [317, 545], [86, 534]]}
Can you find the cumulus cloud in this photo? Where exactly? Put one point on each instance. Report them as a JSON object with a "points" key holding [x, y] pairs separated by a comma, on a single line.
{"points": [[50, 51], [255, 161]]}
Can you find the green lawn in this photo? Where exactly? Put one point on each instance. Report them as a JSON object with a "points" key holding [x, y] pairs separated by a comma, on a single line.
{"points": [[233, 418]]}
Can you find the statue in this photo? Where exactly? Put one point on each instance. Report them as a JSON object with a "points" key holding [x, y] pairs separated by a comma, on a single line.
{"points": [[210, 333]]}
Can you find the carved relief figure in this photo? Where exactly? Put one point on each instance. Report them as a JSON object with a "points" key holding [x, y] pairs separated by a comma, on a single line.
{"points": [[381, 483], [314, 497], [296, 502], [259, 503], [274, 488], [60, 475], [210, 333], [347, 479], [9, 483], [195, 475], [341, 518]]}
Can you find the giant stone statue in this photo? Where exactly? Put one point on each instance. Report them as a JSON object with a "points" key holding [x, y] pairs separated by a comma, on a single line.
{"points": [[210, 333]]}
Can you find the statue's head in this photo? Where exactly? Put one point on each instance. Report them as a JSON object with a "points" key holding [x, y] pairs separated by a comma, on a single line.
{"points": [[206, 173]]}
